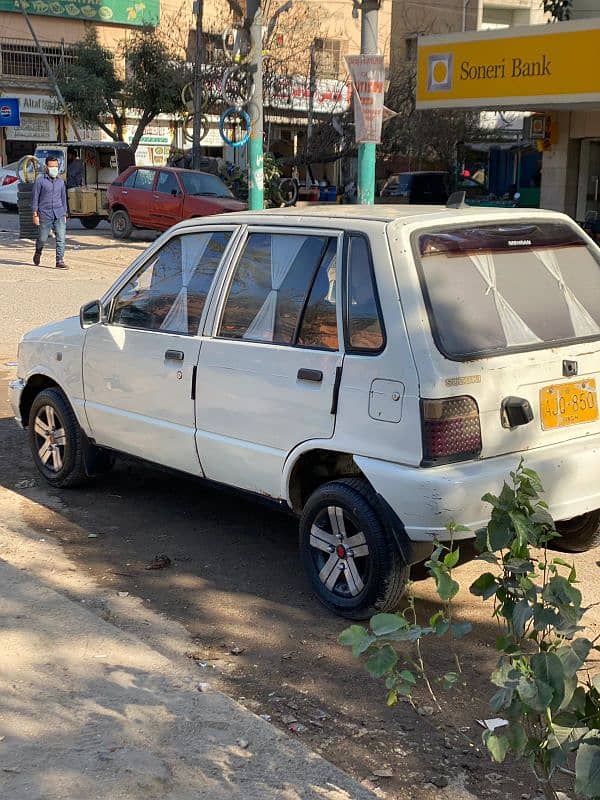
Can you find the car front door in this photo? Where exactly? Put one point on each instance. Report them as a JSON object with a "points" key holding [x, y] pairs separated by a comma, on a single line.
{"points": [[267, 370], [167, 200], [136, 196], [139, 367]]}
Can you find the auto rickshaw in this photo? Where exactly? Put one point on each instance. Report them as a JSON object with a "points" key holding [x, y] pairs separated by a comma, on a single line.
{"points": [[101, 163]]}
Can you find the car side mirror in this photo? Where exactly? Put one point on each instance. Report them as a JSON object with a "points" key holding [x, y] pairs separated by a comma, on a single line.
{"points": [[90, 314]]}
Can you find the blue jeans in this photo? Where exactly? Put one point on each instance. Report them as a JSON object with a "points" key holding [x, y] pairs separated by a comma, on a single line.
{"points": [[59, 226]]}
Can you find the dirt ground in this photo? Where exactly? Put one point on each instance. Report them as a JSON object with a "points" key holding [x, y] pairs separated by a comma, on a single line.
{"points": [[235, 584]]}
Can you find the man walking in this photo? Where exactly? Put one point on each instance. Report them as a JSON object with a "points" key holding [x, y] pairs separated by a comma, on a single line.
{"points": [[49, 206]]}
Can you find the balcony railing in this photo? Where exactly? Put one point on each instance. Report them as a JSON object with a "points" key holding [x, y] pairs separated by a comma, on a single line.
{"points": [[20, 58]]}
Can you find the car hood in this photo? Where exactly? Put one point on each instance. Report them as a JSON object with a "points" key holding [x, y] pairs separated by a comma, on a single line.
{"points": [[65, 331]]}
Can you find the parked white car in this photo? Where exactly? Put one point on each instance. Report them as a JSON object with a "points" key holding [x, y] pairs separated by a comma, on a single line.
{"points": [[376, 369], [9, 185]]}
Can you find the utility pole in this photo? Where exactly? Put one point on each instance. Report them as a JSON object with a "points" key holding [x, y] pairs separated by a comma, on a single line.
{"points": [[50, 73], [256, 195], [367, 152], [198, 95]]}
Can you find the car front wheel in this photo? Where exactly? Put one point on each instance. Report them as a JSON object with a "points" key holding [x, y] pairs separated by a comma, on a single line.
{"points": [[578, 534], [353, 566], [121, 224], [56, 440]]}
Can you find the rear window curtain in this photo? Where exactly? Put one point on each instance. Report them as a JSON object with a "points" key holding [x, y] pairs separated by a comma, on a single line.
{"points": [[485, 301]]}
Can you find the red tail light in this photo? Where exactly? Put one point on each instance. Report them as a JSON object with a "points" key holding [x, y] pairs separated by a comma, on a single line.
{"points": [[451, 430], [8, 179]]}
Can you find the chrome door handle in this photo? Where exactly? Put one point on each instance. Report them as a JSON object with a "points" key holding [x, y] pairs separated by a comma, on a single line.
{"points": [[124, 191], [314, 375], [174, 355]]}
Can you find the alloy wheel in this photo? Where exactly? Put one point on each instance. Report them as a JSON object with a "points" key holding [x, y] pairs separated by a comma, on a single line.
{"points": [[50, 438], [340, 552]]}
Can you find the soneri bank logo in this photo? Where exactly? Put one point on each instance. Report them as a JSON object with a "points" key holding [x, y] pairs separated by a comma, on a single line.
{"points": [[439, 72]]}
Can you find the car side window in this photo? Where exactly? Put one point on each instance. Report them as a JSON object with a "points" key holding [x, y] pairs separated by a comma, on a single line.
{"points": [[144, 178], [364, 325], [269, 287], [319, 321], [169, 292], [129, 181], [167, 183]]}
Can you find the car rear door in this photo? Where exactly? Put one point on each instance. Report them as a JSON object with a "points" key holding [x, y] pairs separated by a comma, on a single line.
{"points": [[167, 200], [271, 356], [514, 310], [136, 196]]}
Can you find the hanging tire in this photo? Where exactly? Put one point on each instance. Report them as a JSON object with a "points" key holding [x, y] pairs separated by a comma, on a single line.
{"points": [[578, 534], [90, 222], [56, 440], [120, 224], [353, 566]]}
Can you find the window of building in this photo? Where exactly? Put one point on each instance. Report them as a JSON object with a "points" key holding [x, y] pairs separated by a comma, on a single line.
{"points": [[21, 58], [328, 57]]}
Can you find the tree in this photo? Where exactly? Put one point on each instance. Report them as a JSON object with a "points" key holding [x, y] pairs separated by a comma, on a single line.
{"points": [[560, 10], [101, 91]]}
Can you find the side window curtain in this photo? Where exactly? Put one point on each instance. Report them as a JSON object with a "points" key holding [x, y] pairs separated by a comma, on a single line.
{"points": [[270, 285], [169, 292], [364, 325]]}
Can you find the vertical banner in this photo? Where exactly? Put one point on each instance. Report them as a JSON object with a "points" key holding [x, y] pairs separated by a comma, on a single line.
{"points": [[368, 82]]}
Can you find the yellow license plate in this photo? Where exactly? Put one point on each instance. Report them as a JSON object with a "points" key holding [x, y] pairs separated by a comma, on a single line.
{"points": [[564, 404]]}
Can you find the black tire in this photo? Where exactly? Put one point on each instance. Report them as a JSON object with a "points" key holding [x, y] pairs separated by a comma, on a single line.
{"points": [[578, 534], [366, 584], [120, 224], [90, 222], [67, 468], [10, 206]]}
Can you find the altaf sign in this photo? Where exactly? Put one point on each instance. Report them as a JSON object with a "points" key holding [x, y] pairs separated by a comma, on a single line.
{"points": [[439, 72]]}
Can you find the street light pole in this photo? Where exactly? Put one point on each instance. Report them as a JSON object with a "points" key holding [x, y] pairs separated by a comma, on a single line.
{"points": [[367, 152], [255, 145]]}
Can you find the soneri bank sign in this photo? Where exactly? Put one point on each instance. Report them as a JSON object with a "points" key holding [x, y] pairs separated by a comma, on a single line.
{"points": [[530, 67]]}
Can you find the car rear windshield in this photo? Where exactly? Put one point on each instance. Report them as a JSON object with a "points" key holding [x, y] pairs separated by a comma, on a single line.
{"points": [[202, 183], [496, 288]]}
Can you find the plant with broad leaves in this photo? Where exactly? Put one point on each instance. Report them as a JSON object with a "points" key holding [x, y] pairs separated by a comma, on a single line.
{"points": [[403, 667], [550, 714]]}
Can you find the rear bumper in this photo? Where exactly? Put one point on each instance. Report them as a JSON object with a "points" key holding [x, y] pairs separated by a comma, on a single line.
{"points": [[15, 390], [427, 499]]}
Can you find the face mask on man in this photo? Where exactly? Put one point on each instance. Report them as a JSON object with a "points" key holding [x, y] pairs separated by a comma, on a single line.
{"points": [[53, 172]]}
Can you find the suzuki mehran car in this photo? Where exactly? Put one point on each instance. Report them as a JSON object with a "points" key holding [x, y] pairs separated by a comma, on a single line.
{"points": [[375, 369]]}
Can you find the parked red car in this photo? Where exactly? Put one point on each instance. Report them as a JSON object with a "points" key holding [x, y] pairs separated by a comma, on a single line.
{"points": [[158, 197]]}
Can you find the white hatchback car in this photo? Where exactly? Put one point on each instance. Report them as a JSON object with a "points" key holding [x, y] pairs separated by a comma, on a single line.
{"points": [[376, 369]]}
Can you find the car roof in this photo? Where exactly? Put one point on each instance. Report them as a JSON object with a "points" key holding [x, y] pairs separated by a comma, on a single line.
{"points": [[87, 143], [175, 169], [331, 215], [421, 172]]}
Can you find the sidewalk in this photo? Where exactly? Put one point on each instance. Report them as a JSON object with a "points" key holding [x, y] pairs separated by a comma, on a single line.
{"points": [[89, 711]]}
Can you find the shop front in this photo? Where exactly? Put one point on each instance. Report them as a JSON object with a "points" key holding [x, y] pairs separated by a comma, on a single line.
{"points": [[41, 121], [547, 69]]}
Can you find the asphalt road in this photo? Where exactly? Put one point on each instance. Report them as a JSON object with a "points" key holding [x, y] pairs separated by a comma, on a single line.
{"points": [[235, 581]]}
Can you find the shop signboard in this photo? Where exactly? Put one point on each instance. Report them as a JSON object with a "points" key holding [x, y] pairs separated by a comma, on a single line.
{"points": [[34, 128], [539, 66], [9, 112], [117, 12]]}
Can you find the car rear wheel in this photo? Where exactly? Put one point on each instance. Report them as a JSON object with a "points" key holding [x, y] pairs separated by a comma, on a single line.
{"points": [[578, 534], [354, 568], [90, 222], [56, 440], [121, 224]]}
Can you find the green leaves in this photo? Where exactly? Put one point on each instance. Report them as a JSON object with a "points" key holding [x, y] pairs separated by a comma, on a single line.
{"points": [[382, 661], [587, 766], [382, 624], [498, 745], [447, 587], [485, 586], [357, 638]]}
